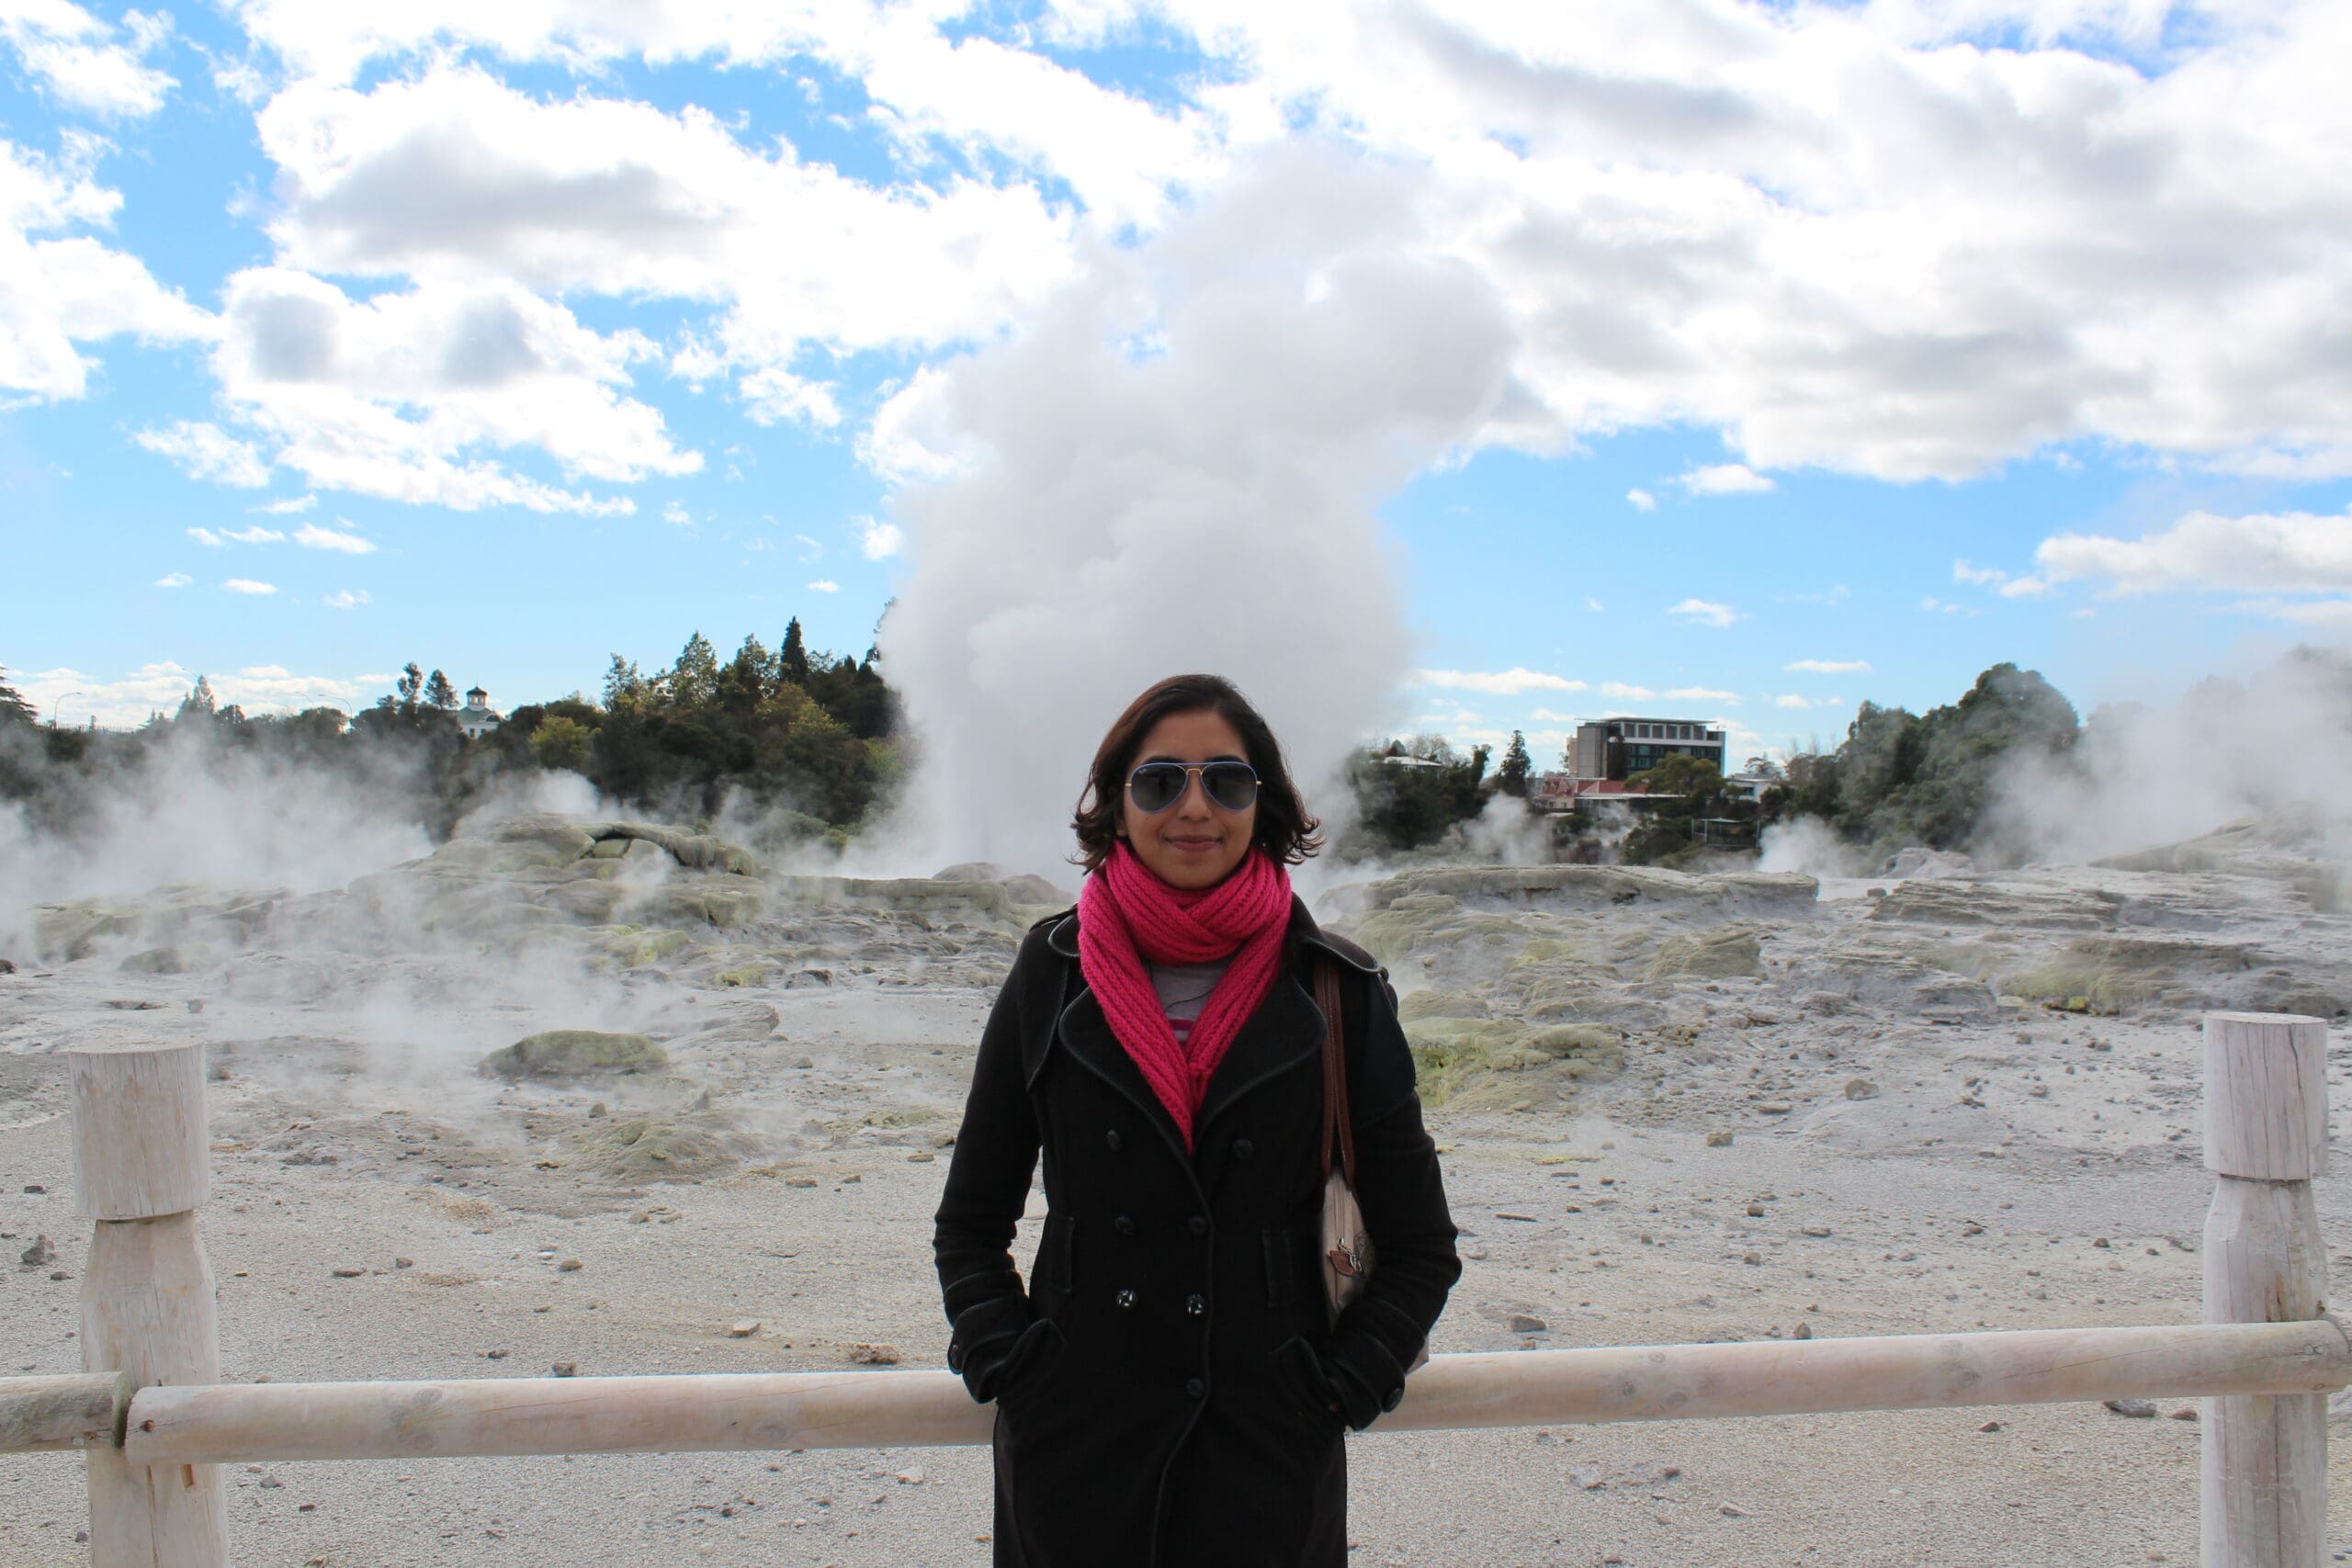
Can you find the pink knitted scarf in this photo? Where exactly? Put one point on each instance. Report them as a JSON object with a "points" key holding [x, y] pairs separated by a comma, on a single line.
{"points": [[1127, 916]]}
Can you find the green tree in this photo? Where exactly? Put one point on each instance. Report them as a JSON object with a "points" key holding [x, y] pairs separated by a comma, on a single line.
{"points": [[199, 702], [14, 709], [694, 679], [1407, 796], [625, 689], [746, 680], [439, 693], [1512, 776], [409, 686], [1900, 779], [561, 742], [792, 660], [1693, 781]]}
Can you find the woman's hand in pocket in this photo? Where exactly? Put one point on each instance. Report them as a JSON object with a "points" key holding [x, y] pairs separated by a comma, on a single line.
{"points": [[1025, 1364]]}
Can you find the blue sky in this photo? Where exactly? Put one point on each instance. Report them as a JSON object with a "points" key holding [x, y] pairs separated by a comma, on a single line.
{"points": [[1838, 351]]}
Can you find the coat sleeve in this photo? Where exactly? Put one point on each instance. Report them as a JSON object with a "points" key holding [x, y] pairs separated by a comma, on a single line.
{"points": [[1403, 1194], [988, 1186]]}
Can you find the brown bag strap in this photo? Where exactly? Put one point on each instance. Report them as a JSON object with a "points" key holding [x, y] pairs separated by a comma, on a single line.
{"points": [[1337, 1127]]}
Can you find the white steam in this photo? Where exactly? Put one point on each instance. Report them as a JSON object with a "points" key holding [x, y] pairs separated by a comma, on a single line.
{"points": [[1809, 846], [189, 811], [1175, 467], [2276, 742]]}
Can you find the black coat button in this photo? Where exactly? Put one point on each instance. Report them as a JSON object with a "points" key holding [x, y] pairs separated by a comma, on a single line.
{"points": [[1393, 1398], [1125, 1224], [1196, 1388], [954, 1358], [1243, 1148], [1116, 1142], [1125, 1298], [1196, 1304], [1198, 1224]]}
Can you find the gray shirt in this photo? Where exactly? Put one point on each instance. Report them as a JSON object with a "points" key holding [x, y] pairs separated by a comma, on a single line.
{"points": [[1184, 990]]}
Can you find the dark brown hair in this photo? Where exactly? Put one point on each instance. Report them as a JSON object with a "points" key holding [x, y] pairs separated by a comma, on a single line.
{"points": [[1284, 831]]}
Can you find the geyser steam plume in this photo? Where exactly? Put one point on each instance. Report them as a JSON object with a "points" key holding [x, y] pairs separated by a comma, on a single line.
{"points": [[1174, 467]]}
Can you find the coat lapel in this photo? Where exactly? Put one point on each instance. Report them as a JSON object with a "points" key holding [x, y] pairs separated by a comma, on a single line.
{"points": [[1087, 1034], [1285, 1029]]}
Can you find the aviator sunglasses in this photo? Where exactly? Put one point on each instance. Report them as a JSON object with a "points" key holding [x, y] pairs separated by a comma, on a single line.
{"points": [[1156, 787]]}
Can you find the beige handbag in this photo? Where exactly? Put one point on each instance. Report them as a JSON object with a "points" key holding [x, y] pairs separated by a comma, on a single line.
{"points": [[1346, 1242]]}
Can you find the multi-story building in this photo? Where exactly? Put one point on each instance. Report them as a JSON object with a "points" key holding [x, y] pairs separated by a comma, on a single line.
{"points": [[1620, 747]]}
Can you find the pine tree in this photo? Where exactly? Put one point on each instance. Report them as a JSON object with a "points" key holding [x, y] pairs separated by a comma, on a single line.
{"points": [[14, 709], [409, 686], [1511, 777], [199, 702], [792, 660], [439, 693], [694, 682], [624, 687]]}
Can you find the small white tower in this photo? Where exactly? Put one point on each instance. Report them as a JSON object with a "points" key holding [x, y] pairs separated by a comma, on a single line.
{"points": [[476, 718]]}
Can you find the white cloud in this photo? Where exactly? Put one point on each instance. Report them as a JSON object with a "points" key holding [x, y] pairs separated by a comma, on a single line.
{"points": [[1701, 695], [453, 177], [2027, 587], [974, 96], [810, 550], [1593, 604], [1790, 700], [2299, 612], [79, 62], [1855, 237], [310, 536], [131, 699], [824, 585], [1545, 716], [290, 507], [399, 395], [2292, 552], [676, 515], [773, 395], [346, 599], [877, 540], [1706, 614], [1829, 666], [247, 585], [1625, 692], [1726, 478], [174, 579], [207, 452], [1541, 743], [207, 539], [1643, 500], [57, 293], [1509, 683], [254, 535]]}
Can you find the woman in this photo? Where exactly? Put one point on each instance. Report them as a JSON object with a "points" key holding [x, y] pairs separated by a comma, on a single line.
{"points": [[1169, 1388]]}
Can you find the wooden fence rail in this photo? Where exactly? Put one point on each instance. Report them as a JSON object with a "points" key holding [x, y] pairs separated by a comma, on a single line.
{"points": [[155, 1422]]}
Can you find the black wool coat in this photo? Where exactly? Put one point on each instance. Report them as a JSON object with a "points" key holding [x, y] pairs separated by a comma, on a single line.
{"points": [[1170, 1392]]}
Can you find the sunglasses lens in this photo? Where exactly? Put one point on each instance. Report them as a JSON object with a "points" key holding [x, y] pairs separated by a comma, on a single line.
{"points": [[1155, 786], [1231, 784]]}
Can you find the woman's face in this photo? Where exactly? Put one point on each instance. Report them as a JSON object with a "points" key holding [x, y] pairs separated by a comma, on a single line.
{"points": [[1195, 842]]}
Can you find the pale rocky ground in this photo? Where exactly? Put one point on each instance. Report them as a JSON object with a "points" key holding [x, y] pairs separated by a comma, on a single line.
{"points": [[2005, 1166]]}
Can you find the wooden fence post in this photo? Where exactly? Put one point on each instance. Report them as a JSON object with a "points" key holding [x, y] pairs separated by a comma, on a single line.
{"points": [[2264, 1477], [141, 1167]]}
